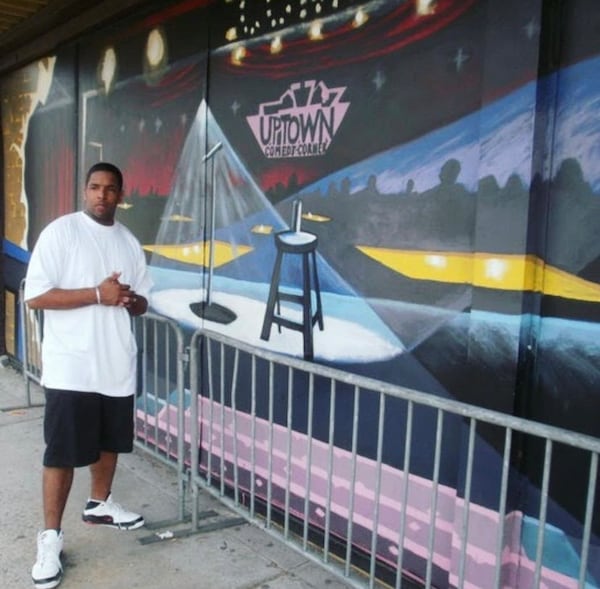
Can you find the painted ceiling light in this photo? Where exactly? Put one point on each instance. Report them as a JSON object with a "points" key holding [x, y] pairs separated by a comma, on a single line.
{"points": [[107, 69], [156, 55]]}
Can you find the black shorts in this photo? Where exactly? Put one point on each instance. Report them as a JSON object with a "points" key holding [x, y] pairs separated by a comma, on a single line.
{"points": [[79, 425]]}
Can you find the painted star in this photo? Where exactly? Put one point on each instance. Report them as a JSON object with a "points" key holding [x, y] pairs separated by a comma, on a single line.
{"points": [[531, 28], [460, 58], [379, 80]]}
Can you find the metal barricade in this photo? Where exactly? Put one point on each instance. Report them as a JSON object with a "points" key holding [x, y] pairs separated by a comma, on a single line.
{"points": [[381, 484], [161, 401]]}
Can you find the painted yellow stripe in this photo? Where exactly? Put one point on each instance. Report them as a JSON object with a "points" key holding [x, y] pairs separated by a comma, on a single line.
{"points": [[198, 253], [495, 271]]}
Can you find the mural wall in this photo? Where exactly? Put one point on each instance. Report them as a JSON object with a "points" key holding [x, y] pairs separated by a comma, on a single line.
{"points": [[434, 164]]}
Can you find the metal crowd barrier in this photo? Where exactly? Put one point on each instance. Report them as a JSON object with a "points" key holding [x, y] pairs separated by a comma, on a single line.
{"points": [[332, 463], [357, 474]]}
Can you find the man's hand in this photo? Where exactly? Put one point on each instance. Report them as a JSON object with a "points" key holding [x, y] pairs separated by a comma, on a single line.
{"points": [[113, 292]]}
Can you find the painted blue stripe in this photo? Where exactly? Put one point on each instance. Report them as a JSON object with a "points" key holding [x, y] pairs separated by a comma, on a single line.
{"points": [[16, 252]]}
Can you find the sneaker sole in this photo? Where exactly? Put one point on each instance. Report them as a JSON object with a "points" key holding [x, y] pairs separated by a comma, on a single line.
{"points": [[101, 521], [48, 583]]}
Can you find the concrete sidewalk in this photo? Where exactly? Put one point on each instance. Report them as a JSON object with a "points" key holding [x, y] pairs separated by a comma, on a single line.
{"points": [[238, 557]]}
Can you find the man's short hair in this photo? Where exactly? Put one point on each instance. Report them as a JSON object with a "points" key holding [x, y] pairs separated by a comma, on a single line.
{"points": [[106, 167]]}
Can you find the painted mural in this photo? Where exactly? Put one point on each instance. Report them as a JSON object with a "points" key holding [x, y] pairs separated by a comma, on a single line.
{"points": [[407, 190]]}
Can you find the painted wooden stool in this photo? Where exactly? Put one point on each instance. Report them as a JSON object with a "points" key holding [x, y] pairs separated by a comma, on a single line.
{"points": [[300, 243]]}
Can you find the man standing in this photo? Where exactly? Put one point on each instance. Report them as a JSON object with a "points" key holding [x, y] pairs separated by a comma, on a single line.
{"points": [[88, 273]]}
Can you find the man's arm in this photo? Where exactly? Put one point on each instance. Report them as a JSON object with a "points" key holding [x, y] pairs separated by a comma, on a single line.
{"points": [[60, 298], [109, 292]]}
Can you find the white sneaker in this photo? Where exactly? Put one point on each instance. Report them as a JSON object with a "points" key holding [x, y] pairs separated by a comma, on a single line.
{"points": [[109, 513], [47, 570]]}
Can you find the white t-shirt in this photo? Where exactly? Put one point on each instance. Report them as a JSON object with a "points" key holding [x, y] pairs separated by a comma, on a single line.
{"points": [[90, 348]]}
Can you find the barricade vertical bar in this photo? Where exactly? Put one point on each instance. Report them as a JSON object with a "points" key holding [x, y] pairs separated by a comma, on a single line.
{"points": [[270, 450], [194, 427], [160, 391], [380, 432], [145, 378], [211, 409], [589, 515], [502, 506], [234, 377], [466, 503], [26, 339], [168, 352], [288, 453], [403, 510], [352, 490], [222, 417], [434, 494], [181, 425], [155, 387], [164, 334], [309, 440], [253, 441], [543, 513], [330, 442]]}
